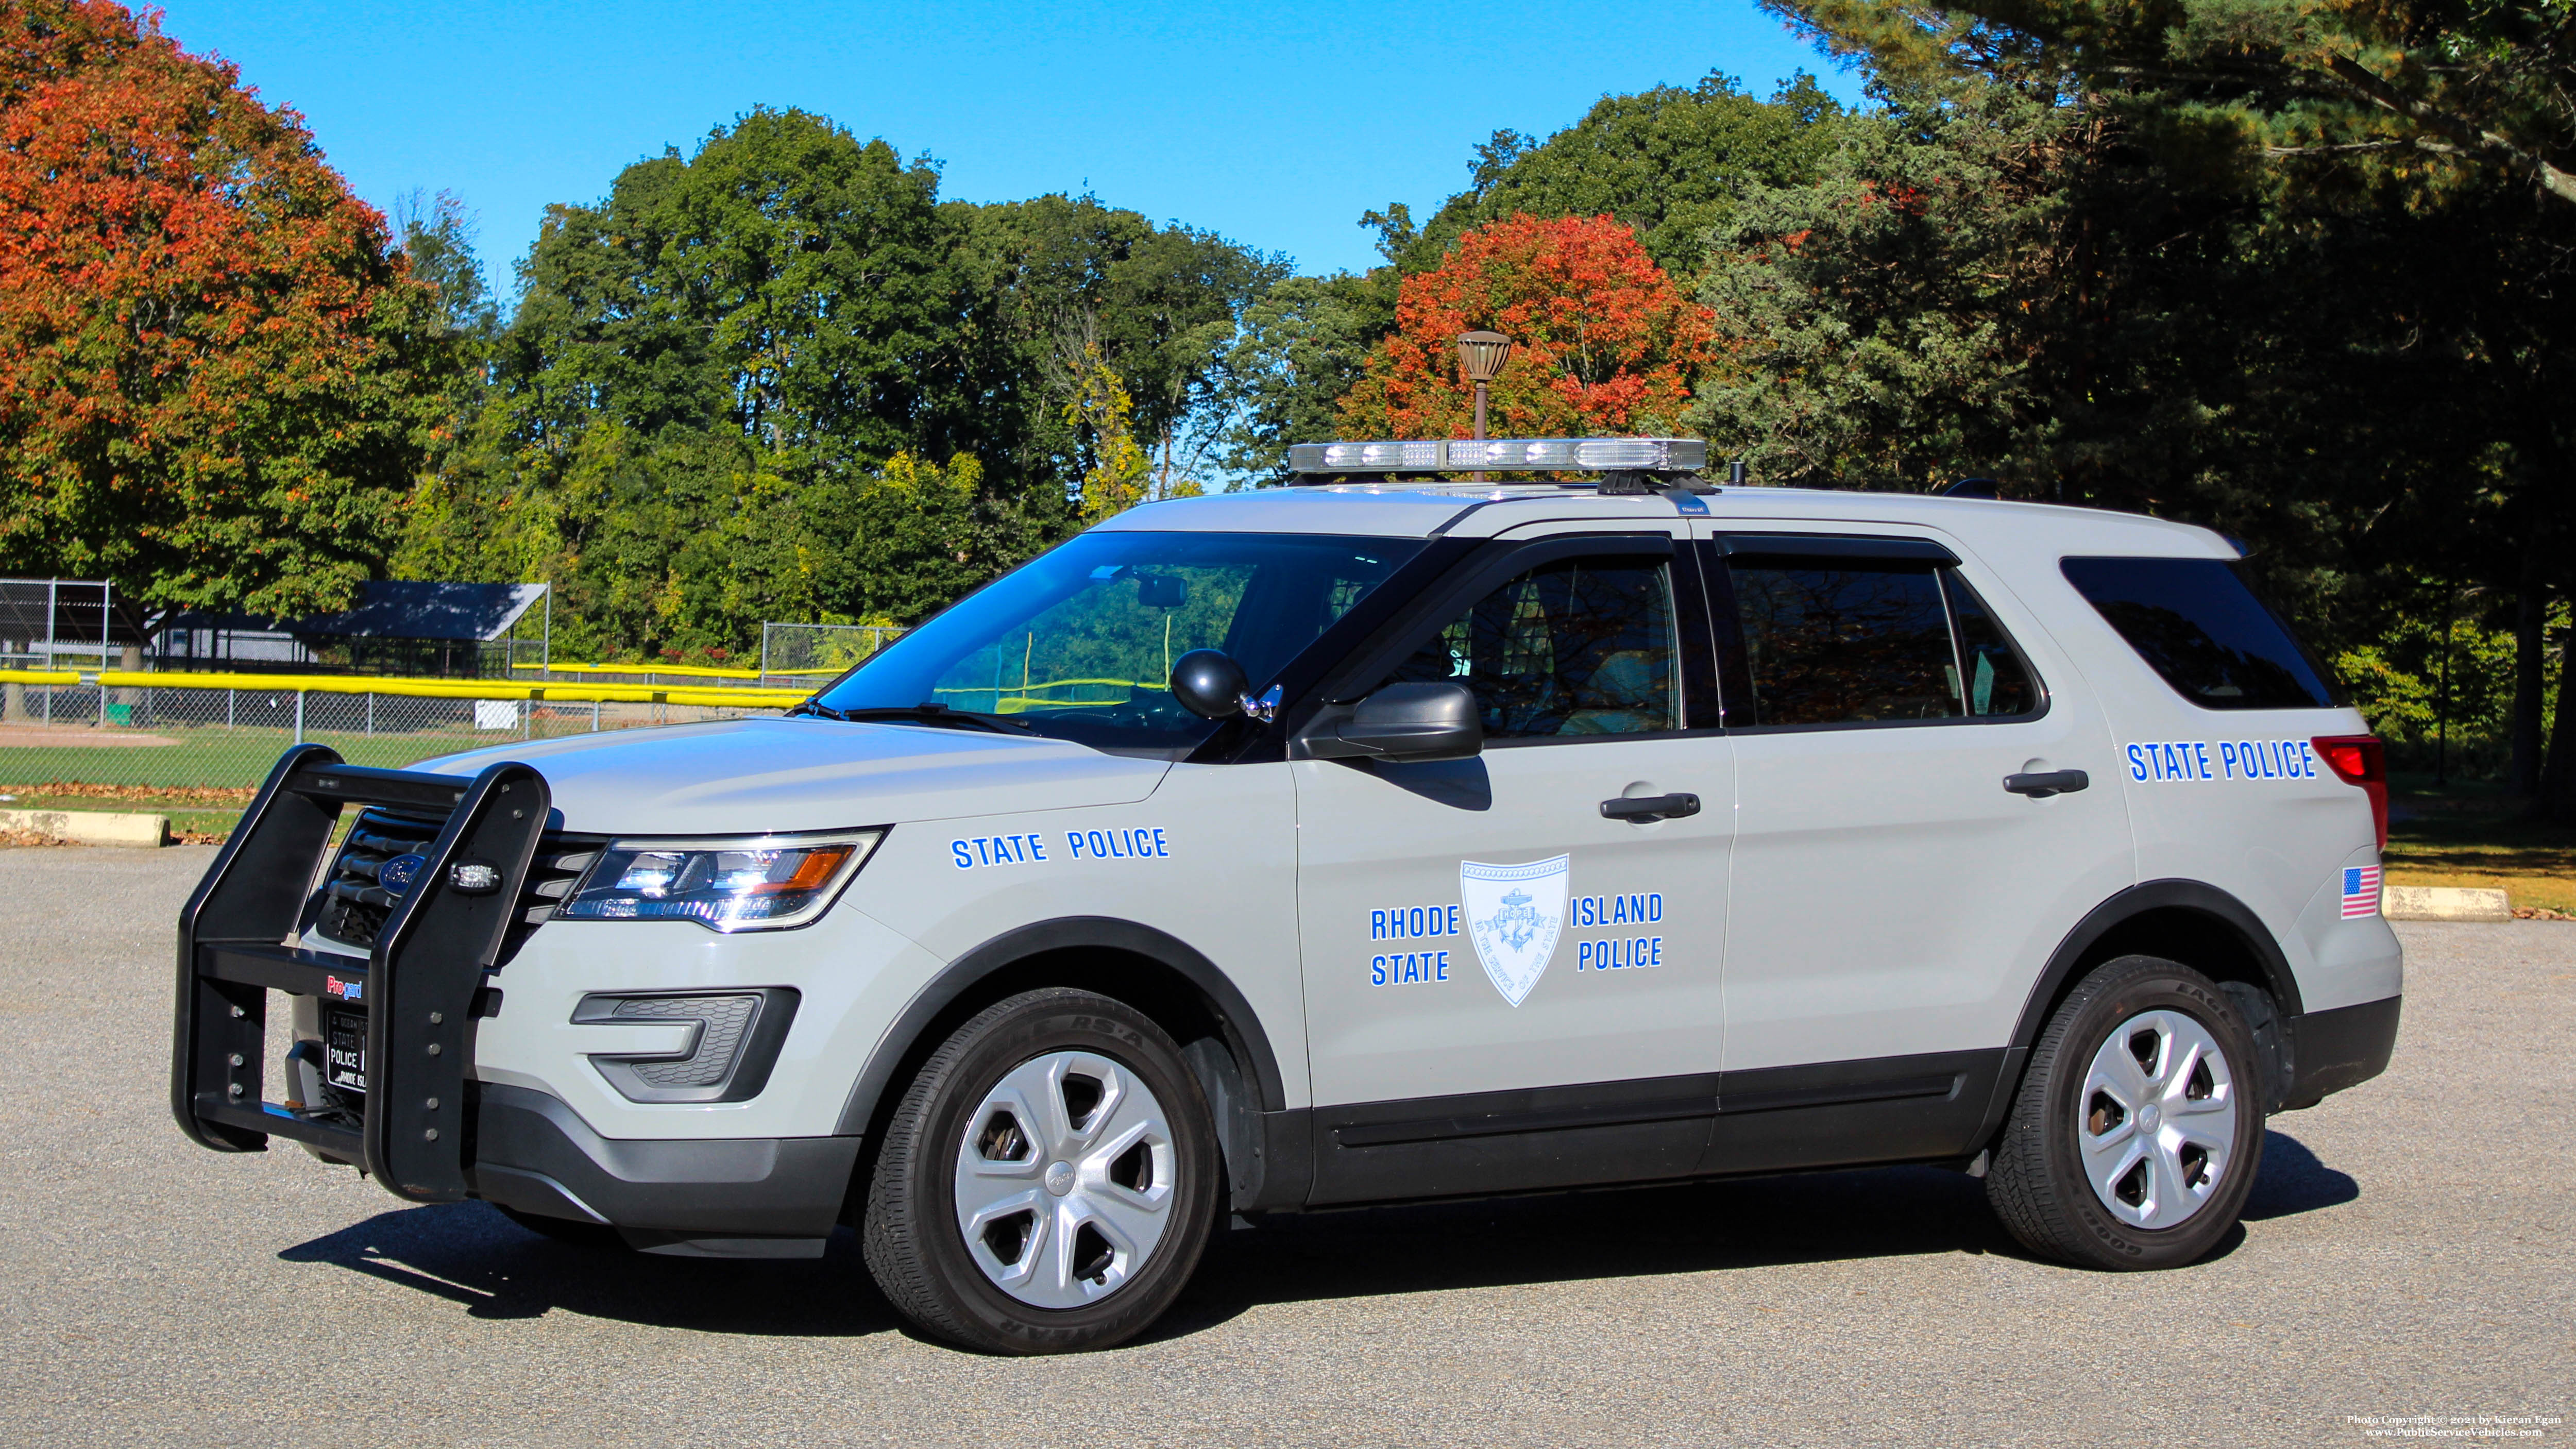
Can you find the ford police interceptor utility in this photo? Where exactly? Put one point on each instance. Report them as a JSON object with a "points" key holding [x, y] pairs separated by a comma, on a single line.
{"points": [[1391, 837]]}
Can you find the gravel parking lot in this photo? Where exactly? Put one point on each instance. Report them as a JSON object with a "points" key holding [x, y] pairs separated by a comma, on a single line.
{"points": [[2407, 1253]]}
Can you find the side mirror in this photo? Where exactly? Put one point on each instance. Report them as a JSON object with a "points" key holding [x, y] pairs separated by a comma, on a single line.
{"points": [[1209, 684], [1404, 722]]}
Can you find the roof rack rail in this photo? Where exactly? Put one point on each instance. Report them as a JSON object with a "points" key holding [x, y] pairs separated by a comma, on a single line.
{"points": [[1501, 455]]}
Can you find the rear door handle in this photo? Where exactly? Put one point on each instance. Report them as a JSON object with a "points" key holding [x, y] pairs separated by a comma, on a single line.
{"points": [[2047, 783], [1643, 808]]}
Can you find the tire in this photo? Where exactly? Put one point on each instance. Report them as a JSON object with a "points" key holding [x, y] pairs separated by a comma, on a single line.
{"points": [[1080, 1148], [565, 1230], [2072, 1178]]}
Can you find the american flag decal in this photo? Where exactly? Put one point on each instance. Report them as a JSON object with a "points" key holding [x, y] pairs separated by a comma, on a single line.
{"points": [[2360, 891]]}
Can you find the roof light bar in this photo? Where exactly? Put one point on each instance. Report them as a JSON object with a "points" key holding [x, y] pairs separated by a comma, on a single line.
{"points": [[1554, 455]]}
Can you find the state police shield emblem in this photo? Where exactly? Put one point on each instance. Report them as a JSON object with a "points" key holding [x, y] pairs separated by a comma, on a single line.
{"points": [[1514, 913]]}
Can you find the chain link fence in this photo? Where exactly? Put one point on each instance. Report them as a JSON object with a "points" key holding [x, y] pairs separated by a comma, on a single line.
{"points": [[43, 619], [808, 655], [76, 741]]}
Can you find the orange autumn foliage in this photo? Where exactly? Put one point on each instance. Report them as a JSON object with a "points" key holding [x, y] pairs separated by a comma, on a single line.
{"points": [[210, 375], [1603, 342]]}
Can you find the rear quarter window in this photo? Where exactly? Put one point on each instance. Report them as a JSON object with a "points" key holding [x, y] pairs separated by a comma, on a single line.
{"points": [[2199, 626]]}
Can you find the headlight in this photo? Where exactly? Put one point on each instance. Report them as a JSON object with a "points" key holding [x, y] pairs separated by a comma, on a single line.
{"points": [[755, 883]]}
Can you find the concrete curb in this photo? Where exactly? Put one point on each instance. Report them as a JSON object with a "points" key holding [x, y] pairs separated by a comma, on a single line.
{"points": [[2444, 903], [91, 827]]}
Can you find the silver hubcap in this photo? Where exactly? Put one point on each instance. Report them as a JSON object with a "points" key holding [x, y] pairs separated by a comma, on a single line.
{"points": [[2156, 1121], [1064, 1179]]}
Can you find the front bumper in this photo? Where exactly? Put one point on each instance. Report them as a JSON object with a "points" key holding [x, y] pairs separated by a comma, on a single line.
{"points": [[739, 1197]]}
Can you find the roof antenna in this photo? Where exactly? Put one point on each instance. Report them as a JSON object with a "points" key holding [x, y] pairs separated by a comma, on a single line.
{"points": [[1735, 473], [1972, 488]]}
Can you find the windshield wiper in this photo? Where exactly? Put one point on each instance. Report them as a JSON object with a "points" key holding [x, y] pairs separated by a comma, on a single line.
{"points": [[925, 713], [816, 709]]}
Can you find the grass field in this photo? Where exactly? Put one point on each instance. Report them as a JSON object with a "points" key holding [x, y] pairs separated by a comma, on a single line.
{"points": [[191, 822], [2473, 834], [202, 781], [237, 758]]}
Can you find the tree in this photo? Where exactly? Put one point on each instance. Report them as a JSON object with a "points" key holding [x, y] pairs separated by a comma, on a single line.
{"points": [[216, 382], [1098, 408], [1300, 351], [1872, 318], [701, 372], [1064, 283], [2431, 92], [1603, 341], [719, 380], [1668, 162], [436, 238], [2101, 255], [788, 286]]}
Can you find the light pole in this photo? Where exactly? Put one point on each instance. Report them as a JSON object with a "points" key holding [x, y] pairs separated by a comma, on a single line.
{"points": [[1482, 355]]}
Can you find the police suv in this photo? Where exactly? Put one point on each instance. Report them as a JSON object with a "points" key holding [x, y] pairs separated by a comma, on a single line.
{"points": [[1406, 834]]}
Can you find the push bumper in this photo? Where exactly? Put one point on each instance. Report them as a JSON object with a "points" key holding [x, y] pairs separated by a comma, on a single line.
{"points": [[767, 1197], [2344, 1047], [421, 988]]}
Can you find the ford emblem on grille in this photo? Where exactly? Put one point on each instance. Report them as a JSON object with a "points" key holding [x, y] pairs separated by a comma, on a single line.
{"points": [[397, 874]]}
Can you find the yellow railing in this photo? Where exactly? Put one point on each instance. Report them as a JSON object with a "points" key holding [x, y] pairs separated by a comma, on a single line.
{"points": [[697, 671], [414, 688], [1019, 698], [1054, 684]]}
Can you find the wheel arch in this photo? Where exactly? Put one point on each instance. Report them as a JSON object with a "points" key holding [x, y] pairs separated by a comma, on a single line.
{"points": [[2186, 921], [2198, 925], [1151, 970]]}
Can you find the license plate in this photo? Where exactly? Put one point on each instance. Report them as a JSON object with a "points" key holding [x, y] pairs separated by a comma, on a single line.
{"points": [[344, 1050]]}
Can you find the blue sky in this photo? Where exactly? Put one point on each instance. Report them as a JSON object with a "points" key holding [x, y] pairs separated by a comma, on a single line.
{"points": [[1275, 125]]}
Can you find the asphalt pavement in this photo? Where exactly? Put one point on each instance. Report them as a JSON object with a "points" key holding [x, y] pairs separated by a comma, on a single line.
{"points": [[2407, 1254]]}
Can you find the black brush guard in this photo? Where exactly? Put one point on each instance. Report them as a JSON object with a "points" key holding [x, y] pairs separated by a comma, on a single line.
{"points": [[420, 983]]}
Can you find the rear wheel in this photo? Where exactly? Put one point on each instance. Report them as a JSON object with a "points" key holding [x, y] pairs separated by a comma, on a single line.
{"points": [[2138, 1128], [1048, 1182]]}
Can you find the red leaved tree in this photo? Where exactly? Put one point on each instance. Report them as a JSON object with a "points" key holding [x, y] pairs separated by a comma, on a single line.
{"points": [[212, 382], [1603, 342]]}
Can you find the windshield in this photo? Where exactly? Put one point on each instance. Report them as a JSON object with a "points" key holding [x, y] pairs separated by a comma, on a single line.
{"points": [[1079, 643]]}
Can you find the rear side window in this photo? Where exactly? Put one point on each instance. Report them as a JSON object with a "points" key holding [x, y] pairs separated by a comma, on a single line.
{"points": [[2197, 624], [1992, 678], [1865, 641]]}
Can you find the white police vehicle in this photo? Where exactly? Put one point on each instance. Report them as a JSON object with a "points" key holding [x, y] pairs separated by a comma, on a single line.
{"points": [[1377, 839]]}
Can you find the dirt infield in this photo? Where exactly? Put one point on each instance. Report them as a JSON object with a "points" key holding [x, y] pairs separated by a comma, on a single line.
{"points": [[75, 737]]}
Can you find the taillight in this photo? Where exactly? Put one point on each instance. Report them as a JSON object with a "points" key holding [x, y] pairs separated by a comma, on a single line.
{"points": [[2360, 760]]}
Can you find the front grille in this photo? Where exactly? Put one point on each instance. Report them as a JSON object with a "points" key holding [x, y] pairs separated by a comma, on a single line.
{"points": [[355, 903]]}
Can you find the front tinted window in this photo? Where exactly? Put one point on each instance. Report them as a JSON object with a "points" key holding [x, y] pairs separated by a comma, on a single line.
{"points": [[1583, 646], [2196, 623], [1079, 642]]}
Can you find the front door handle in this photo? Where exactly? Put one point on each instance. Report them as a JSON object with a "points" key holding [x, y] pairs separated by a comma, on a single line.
{"points": [[2046, 783], [1644, 808]]}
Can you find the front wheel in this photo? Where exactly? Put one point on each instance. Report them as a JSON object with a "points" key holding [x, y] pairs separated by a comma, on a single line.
{"points": [[1048, 1182], [2138, 1127]]}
